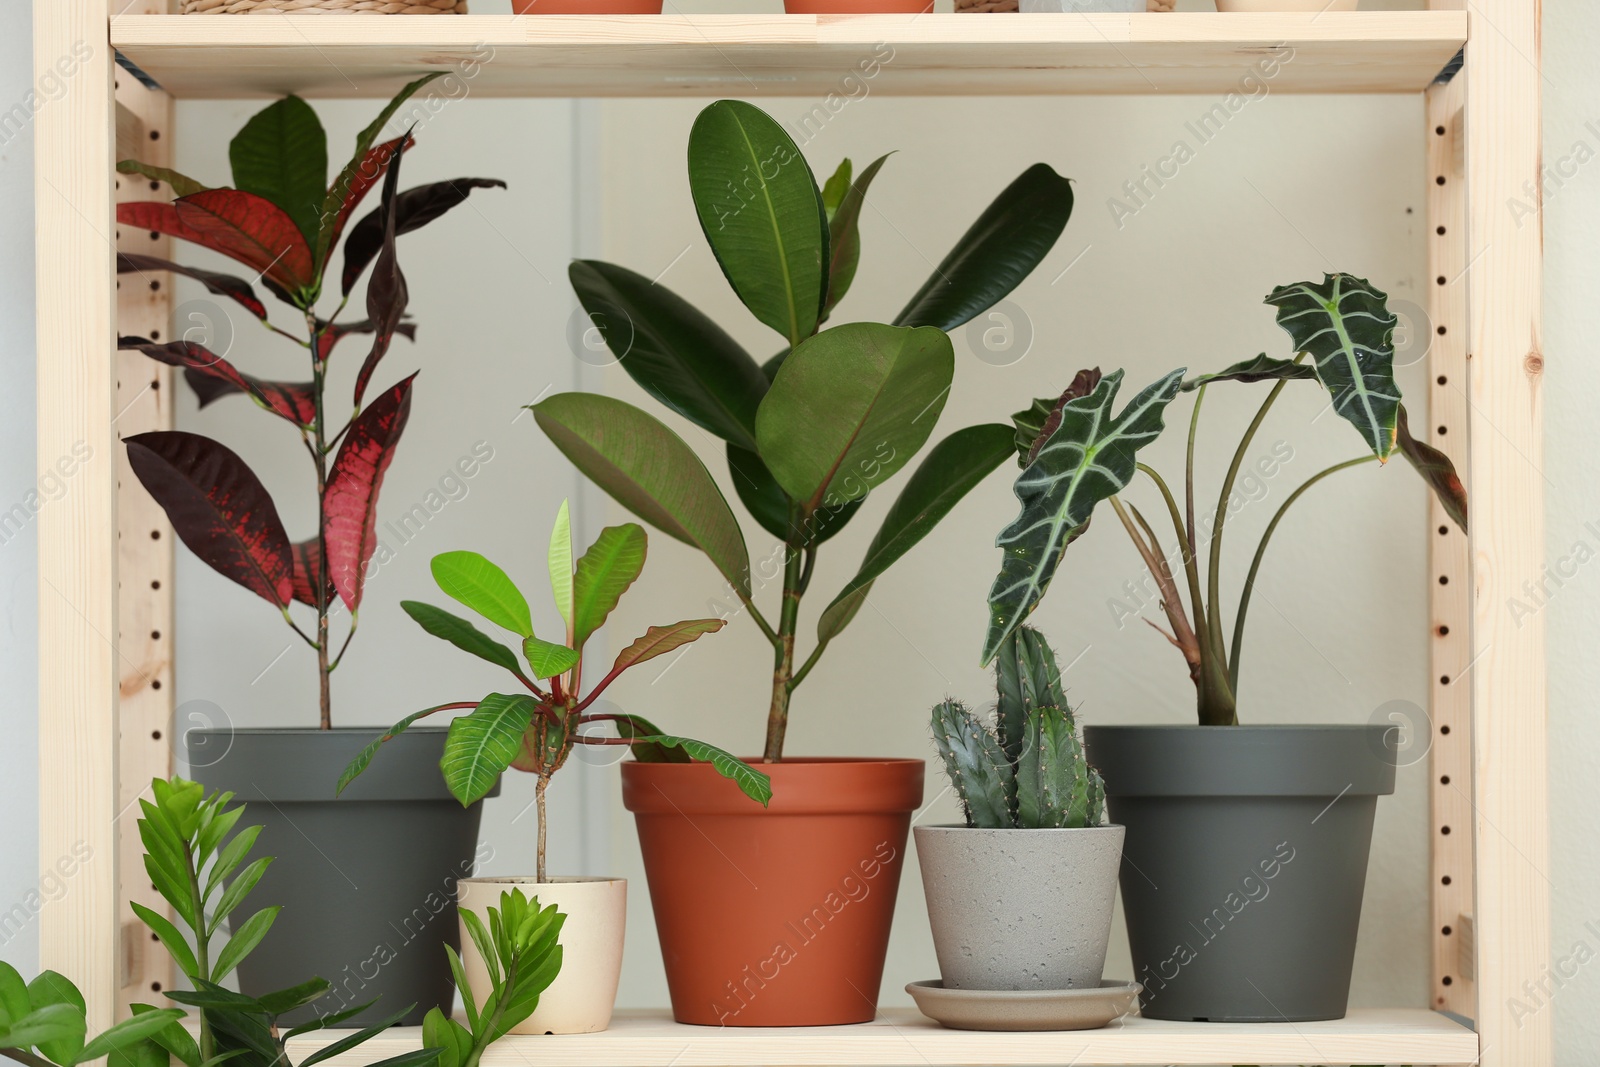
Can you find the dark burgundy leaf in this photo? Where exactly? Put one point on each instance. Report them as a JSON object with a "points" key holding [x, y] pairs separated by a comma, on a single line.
{"points": [[416, 208], [307, 566], [352, 186], [333, 333], [387, 294], [218, 507], [1083, 383], [253, 230], [351, 500], [236, 289], [295, 402], [1435, 468]]}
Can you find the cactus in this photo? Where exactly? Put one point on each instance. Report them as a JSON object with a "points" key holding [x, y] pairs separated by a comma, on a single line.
{"points": [[1029, 771]]}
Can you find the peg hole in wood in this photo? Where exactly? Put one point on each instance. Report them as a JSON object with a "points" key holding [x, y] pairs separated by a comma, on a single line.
{"points": [[1444, 679], [1441, 332], [1444, 729], [155, 683], [1440, 279], [1445, 931], [1443, 430], [1439, 130], [1445, 980], [1444, 631], [1444, 579], [1444, 531], [1442, 380], [1444, 829], [1445, 880], [1444, 779], [1439, 231]]}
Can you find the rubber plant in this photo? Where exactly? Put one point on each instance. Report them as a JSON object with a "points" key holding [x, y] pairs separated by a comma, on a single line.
{"points": [[1075, 453], [283, 220], [536, 730], [840, 410]]}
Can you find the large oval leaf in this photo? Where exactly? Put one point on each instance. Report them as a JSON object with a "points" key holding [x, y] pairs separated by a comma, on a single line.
{"points": [[473, 580], [762, 215], [659, 640], [218, 507], [282, 154], [950, 470], [251, 229], [1009, 239], [1346, 327], [605, 572], [1089, 457], [350, 502], [850, 407], [480, 746], [649, 470], [675, 353]]}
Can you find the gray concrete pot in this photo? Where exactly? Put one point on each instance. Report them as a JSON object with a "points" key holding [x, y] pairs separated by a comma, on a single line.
{"points": [[367, 881], [1245, 862], [1020, 909]]}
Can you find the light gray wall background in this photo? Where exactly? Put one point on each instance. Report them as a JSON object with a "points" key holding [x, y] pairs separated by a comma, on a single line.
{"points": [[1290, 188]]}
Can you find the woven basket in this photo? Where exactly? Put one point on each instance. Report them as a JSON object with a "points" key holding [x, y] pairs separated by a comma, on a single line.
{"points": [[325, 7]]}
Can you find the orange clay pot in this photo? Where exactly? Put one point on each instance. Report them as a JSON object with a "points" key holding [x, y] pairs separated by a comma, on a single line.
{"points": [[586, 7], [775, 916], [856, 7]]}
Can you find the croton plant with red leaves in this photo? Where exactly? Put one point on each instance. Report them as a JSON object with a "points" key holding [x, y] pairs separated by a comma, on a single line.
{"points": [[283, 220]]}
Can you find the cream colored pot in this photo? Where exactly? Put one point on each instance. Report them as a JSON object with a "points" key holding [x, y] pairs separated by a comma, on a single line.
{"points": [[579, 1001]]}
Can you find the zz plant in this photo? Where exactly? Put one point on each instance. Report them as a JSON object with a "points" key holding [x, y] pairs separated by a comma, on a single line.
{"points": [[283, 220], [1028, 771], [810, 432], [1075, 453], [536, 730], [44, 1023]]}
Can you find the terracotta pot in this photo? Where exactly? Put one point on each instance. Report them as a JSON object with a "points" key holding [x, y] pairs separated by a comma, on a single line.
{"points": [[857, 7], [579, 1001], [775, 916], [586, 7]]}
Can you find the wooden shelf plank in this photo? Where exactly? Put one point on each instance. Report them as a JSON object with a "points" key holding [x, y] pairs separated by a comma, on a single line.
{"points": [[796, 55], [903, 1036]]}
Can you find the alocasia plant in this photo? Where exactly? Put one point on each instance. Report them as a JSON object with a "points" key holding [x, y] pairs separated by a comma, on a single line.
{"points": [[1075, 453], [813, 430], [536, 730], [283, 220]]}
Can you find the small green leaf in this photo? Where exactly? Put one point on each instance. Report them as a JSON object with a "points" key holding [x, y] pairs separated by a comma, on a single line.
{"points": [[485, 944], [468, 999], [297, 996], [361, 1037], [282, 154], [753, 783], [50, 988], [844, 233], [474, 581], [605, 572], [561, 565], [237, 890], [835, 187], [244, 940], [232, 854], [127, 1032], [659, 640], [461, 633], [175, 943], [14, 1002], [172, 1038], [547, 659], [364, 757], [634, 727], [332, 1019], [480, 746], [48, 1025]]}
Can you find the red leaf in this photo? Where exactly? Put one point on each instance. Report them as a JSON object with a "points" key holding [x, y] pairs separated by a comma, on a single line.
{"points": [[333, 333], [163, 218], [307, 565], [236, 289], [387, 294], [289, 400], [414, 210], [355, 182], [351, 500], [253, 230], [218, 507]]}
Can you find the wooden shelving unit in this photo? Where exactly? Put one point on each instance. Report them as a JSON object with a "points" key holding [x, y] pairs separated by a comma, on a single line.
{"points": [[1482, 138]]}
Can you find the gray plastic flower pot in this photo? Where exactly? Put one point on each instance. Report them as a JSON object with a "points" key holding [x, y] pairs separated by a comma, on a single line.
{"points": [[367, 881], [1020, 909], [1245, 862]]}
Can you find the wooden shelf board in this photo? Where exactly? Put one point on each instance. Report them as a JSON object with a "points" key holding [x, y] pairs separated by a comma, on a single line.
{"points": [[793, 55], [903, 1036]]}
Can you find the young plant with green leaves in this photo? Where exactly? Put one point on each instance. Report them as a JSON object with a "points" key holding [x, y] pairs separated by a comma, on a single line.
{"points": [[522, 955], [44, 1023], [1075, 454], [536, 730], [810, 432], [1028, 770], [283, 220]]}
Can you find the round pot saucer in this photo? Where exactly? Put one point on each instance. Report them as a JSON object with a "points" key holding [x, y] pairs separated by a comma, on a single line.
{"points": [[1025, 1009]]}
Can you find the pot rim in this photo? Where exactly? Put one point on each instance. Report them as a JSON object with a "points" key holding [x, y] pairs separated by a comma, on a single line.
{"points": [[800, 786], [529, 879], [930, 827], [1285, 760]]}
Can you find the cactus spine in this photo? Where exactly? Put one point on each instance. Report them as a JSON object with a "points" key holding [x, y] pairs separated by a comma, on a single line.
{"points": [[1029, 771]]}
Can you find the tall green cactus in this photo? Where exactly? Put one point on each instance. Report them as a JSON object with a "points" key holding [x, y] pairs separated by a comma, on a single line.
{"points": [[1029, 771]]}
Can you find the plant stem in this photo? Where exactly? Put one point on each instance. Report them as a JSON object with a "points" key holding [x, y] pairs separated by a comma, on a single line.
{"points": [[811, 661], [202, 949], [1188, 466], [319, 371], [1261, 551], [1191, 570], [783, 654], [538, 796], [25, 1057]]}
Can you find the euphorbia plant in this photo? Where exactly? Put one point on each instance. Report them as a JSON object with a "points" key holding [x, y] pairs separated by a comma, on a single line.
{"points": [[813, 430], [1075, 454], [536, 730], [283, 220]]}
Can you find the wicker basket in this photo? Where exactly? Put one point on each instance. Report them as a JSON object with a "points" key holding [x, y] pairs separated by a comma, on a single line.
{"points": [[325, 7]]}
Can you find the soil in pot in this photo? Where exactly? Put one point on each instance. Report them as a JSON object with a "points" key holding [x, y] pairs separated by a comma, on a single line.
{"points": [[580, 1000], [857, 7], [775, 916], [1245, 862], [586, 7], [367, 882]]}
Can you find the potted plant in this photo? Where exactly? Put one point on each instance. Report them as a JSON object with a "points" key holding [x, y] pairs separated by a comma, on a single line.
{"points": [[535, 730], [1020, 897], [809, 434], [284, 221], [1257, 836]]}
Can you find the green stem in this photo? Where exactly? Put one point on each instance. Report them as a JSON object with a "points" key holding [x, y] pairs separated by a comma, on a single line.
{"points": [[783, 654], [1188, 464], [202, 949], [25, 1057], [811, 661], [1261, 551]]}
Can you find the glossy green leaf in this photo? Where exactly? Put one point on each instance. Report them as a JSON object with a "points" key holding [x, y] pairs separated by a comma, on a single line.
{"points": [[246, 936], [14, 1002], [485, 945], [634, 727], [458, 973], [125, 1033], [1436, 470], [172, 1038], [221, 824], [171, 939], [232, 854], [474, 581], [835, 188], [296, 996], [605, 572], [1009, 239], [948, 473], [181, 184], [769, 505], [480, 746], [844, 233], [673, 351], [649, 470], [52, 987], [238, 889], [1090, 456], [453, 1040], [762, 215], [332, 1019], [751, 782], [561, 564], [850, 407], [44, 1026], [659, 640], [1263, 368], [361, 1037], [462, 634], [1346, 327], [282, 154], [547, 659]]}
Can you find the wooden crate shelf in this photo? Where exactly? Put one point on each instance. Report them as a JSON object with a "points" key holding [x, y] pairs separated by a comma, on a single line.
{"points": [[794, 55]]}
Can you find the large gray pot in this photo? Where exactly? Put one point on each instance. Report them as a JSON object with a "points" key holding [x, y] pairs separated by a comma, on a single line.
{"points": [[367, 881], [1245, 862], [1020, 909]]}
